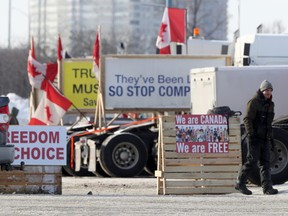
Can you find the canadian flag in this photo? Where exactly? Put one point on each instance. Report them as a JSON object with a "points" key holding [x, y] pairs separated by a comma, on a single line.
{"points": [[38, 72], [60, 53], [172, 29], [96, 55], [51, 108]]}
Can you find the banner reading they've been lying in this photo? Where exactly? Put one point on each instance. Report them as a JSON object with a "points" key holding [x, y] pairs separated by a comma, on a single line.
{"points": [[201, 134]]}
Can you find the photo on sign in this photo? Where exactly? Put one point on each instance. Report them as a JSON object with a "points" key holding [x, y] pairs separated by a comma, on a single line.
{"points": [[201, 134]]}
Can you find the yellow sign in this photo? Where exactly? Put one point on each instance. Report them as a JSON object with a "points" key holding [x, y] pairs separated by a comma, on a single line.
{"points": [[79, 84]]}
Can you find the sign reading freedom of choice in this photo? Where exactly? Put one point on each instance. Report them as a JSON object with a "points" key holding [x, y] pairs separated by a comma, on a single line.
{"points": [[38, 145], [79, 83], [201, 134]]}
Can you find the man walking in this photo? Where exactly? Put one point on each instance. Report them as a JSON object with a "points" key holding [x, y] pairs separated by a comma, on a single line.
{"points": [[258, 124]]}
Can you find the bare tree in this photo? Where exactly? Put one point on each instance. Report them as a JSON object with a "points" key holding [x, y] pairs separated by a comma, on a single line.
{"points": [[276, 28], [211, 20], [13, 71]]}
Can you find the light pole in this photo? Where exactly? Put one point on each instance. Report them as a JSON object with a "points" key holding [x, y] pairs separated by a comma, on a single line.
{"points": [[9, 25]]}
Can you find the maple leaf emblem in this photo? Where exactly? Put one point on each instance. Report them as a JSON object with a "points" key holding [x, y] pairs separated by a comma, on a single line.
{"points": [[48, 113], [162, 31]]}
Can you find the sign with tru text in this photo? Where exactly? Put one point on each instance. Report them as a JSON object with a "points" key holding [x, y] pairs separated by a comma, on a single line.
{"points": [[78, 83], [201, 134]]}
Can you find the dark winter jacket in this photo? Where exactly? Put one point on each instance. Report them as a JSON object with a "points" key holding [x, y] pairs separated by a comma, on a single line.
{"points": [[259, 117]]}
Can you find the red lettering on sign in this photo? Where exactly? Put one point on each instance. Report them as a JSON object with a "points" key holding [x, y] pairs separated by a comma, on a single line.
{"points": [[39, 153], [30, 137]]}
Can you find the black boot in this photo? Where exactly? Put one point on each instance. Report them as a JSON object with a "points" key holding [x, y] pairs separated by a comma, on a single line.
{"points": [[241, 182], [266, 182], [270, 190], [242, 188]]}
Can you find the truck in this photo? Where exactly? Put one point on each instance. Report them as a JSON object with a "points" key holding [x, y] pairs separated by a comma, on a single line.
{"points": [[7, 152], [234, 87], [144, 85]]}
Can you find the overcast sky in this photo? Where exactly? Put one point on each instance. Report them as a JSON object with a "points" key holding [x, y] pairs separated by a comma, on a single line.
{"points": [[252, 14]]}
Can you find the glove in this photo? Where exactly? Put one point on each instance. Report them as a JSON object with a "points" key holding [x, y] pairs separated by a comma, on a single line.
{"points": [[271, 143]]}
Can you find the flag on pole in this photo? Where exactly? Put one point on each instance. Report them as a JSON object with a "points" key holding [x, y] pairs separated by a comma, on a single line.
{"points": [[96, 55], [61, 53], [172, 29], [39, 73], [60, 49], [51, 108]]}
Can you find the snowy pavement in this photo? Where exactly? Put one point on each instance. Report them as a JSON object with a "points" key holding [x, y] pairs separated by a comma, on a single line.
{"points": [[138, 196]]}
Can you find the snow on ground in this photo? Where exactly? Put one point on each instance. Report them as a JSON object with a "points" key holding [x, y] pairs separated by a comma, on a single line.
{"points": [[22, 104]]}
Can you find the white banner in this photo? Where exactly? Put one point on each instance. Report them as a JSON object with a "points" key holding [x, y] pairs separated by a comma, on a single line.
{"points": [[152, 82], [38, 145]]}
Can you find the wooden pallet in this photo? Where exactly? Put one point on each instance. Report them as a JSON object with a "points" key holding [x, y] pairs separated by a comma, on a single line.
{"points": [[32, 180], [201, 173]]}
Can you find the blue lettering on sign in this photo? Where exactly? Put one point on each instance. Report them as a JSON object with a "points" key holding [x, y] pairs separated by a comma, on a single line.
{"points": [[115, 91], [173, 91], [166, 79], [143, 91]]}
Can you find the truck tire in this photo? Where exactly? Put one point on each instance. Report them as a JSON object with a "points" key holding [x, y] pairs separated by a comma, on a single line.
{"points": [[151, 165], [100, 172], [123, 155], [278, 159]]}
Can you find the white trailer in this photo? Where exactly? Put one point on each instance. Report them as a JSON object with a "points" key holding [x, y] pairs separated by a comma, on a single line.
{"points": [[234, 87], [261, 49]]}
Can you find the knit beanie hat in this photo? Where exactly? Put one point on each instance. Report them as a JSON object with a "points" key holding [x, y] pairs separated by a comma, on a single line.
{"points": [[265, 85]]}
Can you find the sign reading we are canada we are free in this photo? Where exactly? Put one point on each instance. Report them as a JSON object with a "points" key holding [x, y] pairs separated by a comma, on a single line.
{"points": [[201, 134]]}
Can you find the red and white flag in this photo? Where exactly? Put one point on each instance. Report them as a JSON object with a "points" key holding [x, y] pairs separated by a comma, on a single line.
{"points": [[60, 53], [96, 55], [51, 108], [39, 73], [172, 29]]}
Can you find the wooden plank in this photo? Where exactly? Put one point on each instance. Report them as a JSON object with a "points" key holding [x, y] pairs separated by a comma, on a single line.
{"points": [[202, 161], [161, 159], [201, 175], [196, 168], [200, 190], [199, 183], [231, 154], [31, 180]]}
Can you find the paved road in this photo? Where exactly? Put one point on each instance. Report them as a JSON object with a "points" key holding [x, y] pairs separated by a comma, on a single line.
{"points": [[137, 196]]}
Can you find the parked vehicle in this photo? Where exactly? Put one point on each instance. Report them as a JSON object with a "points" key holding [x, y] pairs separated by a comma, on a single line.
{"points": [[6, 151], [117, 151]]}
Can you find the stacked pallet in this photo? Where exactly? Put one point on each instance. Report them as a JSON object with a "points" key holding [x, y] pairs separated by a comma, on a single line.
{"points": [[196, 173], [32, 180]]}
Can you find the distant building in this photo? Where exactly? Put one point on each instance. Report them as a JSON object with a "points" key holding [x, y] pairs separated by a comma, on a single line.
{"points": [[134, 23]]}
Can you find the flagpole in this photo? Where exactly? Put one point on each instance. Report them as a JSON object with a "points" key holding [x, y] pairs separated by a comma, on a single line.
{"points": [[99, 110], [168, 3], [59, 67]]}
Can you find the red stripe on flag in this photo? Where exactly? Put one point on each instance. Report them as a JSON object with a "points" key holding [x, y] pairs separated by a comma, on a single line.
{"points": [[96, 49], [177, 20], [59, 51], [35, 121], [56, 97], [165, 50]]}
